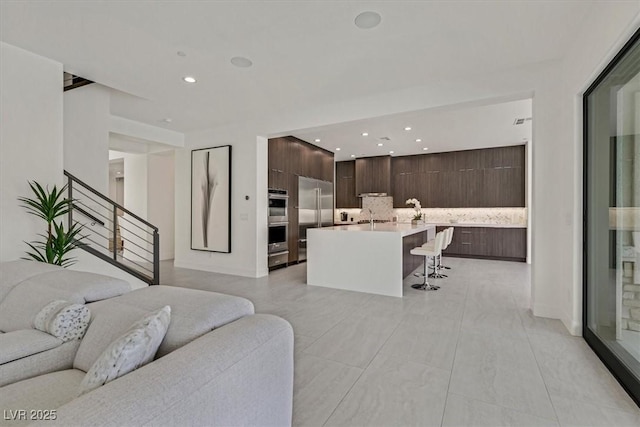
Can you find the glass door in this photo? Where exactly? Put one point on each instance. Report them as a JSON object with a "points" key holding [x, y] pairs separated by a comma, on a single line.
{"points": [[612, 216]]}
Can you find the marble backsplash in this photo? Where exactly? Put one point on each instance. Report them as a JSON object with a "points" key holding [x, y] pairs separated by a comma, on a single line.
{"points": [[382, 210]]}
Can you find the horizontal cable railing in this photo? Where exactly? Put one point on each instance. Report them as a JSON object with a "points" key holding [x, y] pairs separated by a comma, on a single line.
{"points": [[113, 232]]}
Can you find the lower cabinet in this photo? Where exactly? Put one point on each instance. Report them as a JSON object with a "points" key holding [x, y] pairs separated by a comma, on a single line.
{"points": [[488, 243]]}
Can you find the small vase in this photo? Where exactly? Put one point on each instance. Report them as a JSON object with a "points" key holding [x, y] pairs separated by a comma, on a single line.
{"points": [[415, 221]]}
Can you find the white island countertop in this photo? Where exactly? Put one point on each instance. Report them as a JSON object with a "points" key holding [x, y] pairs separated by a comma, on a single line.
{"points": [[405, 229], [360, 257]]}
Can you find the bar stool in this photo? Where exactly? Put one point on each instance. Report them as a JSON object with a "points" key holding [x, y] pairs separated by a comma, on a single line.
{"points": [[429, 249], [448, 239]]}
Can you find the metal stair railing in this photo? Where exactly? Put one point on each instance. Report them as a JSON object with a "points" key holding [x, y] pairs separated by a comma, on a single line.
{"points": [[114, 233]]}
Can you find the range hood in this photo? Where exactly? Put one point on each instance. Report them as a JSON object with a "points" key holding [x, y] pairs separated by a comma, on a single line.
{"points": [[372, 195]]}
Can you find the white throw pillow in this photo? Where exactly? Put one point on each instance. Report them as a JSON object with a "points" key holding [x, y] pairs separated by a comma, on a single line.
{"points": [[63, 319], [133, 349]]}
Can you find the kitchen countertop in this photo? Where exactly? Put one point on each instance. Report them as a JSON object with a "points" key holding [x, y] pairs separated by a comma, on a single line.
{"points": [[441, 224], [404, 229]]}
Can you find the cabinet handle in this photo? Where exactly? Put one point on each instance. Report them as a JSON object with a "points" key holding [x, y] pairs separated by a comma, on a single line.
{"points": [[466, 243]]}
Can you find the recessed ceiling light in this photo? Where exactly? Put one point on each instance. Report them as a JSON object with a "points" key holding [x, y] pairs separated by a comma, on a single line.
{"points": [[407, 128], [380, 144], [167, 120], [242, 62], [119, 173], [390, 152], [189, 79], [418, 140], [365, 134], [425, 148], [181, 53], [337, 149], [367, 20], [353, 155], [317, 140]]}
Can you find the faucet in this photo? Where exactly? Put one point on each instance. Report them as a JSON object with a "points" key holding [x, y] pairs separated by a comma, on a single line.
{"points": [[370, 216]]}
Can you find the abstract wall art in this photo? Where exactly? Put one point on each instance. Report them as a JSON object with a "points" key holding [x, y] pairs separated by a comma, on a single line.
{"points": [[211, 199]]}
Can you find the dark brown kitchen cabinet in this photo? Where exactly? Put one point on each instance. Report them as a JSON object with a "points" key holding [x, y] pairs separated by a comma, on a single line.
{"points": [[373, 175], [346, 196], [488, 243], [467, 160], [289, 158], [500, 157], [278, 179], [503, 187], [293, 218]]}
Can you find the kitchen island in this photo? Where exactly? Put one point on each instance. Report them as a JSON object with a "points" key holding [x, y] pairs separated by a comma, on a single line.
{"points": [[363, 258]]}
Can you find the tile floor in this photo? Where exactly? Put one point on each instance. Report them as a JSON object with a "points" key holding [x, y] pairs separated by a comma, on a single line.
{"points": [[469, 354]]}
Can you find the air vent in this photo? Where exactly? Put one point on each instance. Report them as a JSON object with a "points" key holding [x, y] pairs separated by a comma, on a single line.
{"points": [[384, 138], [521, 121]]}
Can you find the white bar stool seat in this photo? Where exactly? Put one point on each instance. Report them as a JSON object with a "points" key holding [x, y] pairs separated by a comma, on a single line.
{"points": [[430, 249]]}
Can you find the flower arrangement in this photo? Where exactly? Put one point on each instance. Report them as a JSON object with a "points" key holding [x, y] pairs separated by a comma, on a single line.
{"points": [[417, 207]]}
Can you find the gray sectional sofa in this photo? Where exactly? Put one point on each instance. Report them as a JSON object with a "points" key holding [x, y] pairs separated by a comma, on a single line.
{"points": [[219, 364], [25, 288]]}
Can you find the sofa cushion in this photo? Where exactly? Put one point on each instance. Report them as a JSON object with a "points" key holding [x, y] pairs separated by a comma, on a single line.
{"points": [[193, 314], [18, 344], [135, 348], [25, 300], [53, 360], [44, 392], [63, 320], [14, 272]]}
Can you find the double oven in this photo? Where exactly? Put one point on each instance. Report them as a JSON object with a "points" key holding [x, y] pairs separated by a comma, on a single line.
{"points": [[278, 249]]}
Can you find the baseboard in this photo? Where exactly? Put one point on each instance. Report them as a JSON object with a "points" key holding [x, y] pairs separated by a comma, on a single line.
{"points": [[548, 311], [216, 269], [574, 327]]}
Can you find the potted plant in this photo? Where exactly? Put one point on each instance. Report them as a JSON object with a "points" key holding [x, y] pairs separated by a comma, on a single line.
{"points": [[417, 217], [58, 241]]}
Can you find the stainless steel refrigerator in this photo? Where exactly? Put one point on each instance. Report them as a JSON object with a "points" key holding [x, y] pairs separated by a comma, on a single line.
{"points": [[315, 209]]}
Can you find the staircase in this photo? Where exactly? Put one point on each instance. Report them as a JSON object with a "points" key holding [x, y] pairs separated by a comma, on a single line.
{"points": [[113, 233]]}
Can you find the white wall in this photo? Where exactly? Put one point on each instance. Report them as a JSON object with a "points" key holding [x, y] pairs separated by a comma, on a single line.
{"points": [[161, 199], [30, 140], [248, 217], [86, 135]]}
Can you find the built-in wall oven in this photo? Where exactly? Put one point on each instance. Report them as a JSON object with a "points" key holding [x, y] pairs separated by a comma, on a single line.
{"points": [[278, 206], [278, 249]]}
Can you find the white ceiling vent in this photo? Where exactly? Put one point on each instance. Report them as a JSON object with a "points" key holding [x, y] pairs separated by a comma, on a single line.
{"points": [[521, 121]]}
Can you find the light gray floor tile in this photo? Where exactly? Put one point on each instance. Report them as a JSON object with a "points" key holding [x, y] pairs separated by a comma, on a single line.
{"points": [[301, 342], [355, 340], [572, 413], [571, 370], [499, 322], [463, 411], [502, 371], [422, 339], [394, 393], [319, 386]]}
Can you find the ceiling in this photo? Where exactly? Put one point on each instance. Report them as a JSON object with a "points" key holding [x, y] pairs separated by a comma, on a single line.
{"points": [[448, 129], [304, 53]]}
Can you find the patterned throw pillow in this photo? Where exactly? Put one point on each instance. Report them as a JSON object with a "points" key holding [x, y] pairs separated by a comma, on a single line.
{"points": [[63, 319], [133, 349]]}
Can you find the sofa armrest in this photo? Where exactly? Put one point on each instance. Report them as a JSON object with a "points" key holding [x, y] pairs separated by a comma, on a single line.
{"points": [[239, 374], [15, 345]]}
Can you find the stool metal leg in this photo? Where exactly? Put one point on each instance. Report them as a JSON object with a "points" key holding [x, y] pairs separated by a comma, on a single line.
{"points": [[425, 286], [436, 270]]}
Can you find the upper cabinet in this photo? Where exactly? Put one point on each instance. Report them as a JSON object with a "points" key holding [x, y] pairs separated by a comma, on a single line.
{"points": [[292, 156], [373, 175], [346, 196], [492, 177]]}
